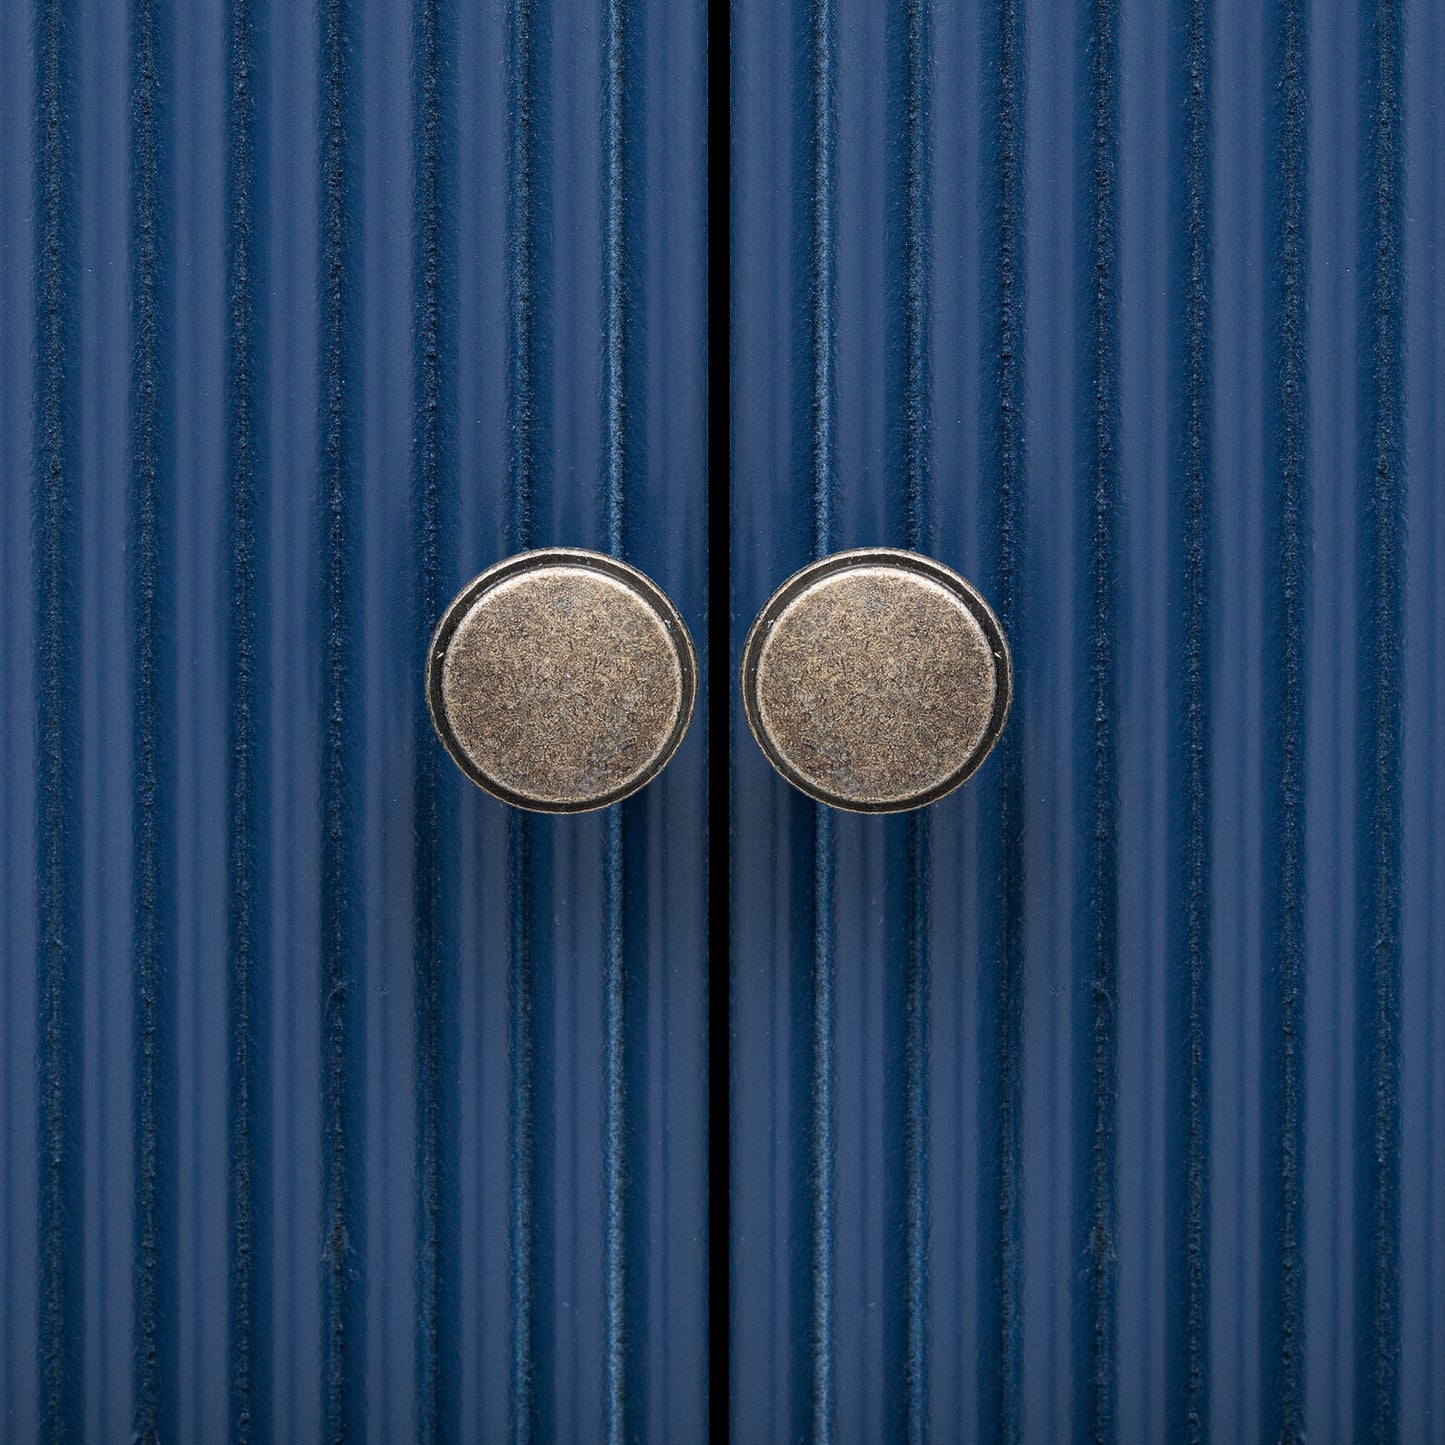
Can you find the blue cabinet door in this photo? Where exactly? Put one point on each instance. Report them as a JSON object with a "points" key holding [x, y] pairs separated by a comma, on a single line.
{"points": [[1099, 1100], [338, 1101], [1102, 1100]]}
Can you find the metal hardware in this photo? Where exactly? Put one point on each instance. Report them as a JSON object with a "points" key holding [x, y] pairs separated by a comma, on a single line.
{"points": [[561, 680], [876, 680]]}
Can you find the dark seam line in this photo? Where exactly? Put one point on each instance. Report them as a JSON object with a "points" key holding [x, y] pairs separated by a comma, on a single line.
{"points": [[153, 1225], [521, 1121], [343, 1318], [823, 1123], [719, 748], [61, 1265], [1284, 1098], [614, 1100], [1382, 501], [1097, 1378], [248, 1346], [918, 983], [1189, 1356]]}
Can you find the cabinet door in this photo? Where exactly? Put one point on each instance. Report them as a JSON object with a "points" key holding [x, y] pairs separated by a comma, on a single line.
{"points": [[339, 1101], [1101, 1100]]}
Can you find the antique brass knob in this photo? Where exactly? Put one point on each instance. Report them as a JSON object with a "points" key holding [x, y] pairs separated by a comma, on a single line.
{"points": [[561, 680], [876, 680]]}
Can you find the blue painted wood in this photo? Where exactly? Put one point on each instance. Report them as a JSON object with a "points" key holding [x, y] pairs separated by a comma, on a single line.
{"points": [[337, 1103], [1100, 1101], [1105, 1104]]}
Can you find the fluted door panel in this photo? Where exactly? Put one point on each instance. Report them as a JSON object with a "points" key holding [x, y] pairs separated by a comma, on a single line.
{"points": [[337, 1100], [1103, 1099]]}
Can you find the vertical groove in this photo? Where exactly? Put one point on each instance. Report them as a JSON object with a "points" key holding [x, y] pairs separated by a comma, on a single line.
{"points": [[61, 1262], [153, 888], [614, 1053], [823, 1122], [343, 1317], [1284, 901], [521, 1117], [918, 478], [1000, 1400], [1187, 1227], [248, 1193], [433, 464], [1096, 1323], [1382, 665]]}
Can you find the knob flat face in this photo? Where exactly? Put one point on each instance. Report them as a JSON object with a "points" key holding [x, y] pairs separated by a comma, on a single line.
{"points": [[876, 680], [561, 680]]}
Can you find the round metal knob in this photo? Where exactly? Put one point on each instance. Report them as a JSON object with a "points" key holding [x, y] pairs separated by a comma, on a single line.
{"points": [[561, 680], [876, 680]]}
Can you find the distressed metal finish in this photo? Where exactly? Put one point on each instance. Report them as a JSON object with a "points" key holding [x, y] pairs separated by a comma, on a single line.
{"points": [[561, 680], [876, 680]]}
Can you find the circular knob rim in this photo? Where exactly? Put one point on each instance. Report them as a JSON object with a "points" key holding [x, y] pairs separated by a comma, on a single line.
{"points": [[643, 588], [906, 561]]}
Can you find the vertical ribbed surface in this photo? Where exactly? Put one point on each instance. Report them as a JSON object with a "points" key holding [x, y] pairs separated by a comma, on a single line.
{"points": [[1116, 1117], [1102, 1101], [337, 1101]]}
